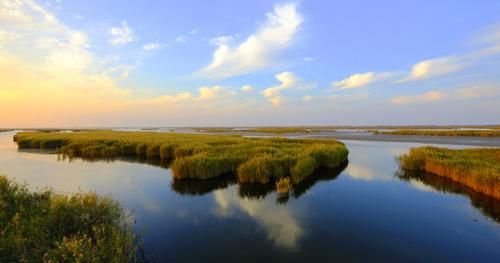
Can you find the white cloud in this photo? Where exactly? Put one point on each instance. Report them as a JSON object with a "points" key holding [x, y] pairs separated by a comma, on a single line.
{"points": [[360, 80], [287, 81], [26, 13], [434, 68], [151, 46], [209, 93], [247, 88], [121, 35], [257, 51]]}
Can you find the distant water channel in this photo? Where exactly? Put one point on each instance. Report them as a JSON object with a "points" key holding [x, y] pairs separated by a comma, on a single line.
{"points": [[365, 212]]}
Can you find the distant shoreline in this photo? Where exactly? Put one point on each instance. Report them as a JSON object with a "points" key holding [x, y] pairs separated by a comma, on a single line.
{"points": [[452, 140]]}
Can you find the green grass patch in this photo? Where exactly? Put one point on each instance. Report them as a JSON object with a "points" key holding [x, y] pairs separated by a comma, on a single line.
{"points": [[477, 168], [49, 227], [200, 156], [474, 133]]}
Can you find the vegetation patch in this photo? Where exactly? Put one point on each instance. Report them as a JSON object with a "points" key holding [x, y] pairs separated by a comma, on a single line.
{"points": [[49, 227], [200, 156], [477, 168], [475, 133]]}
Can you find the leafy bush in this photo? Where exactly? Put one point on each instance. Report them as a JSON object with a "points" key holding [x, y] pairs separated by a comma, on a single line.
{"points": [[49, 227]]}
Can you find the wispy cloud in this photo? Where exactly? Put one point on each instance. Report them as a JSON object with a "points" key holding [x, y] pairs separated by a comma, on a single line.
{"points": [[360, 80], [257, 51], [426, 97], [464, 93], [220, 40], [151, 46], [121, 35], [435, 67]]}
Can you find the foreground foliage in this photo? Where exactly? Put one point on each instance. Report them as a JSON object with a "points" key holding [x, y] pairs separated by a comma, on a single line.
{"points": [[49, 227], [475, 133], [200, 156], [477, 168]]}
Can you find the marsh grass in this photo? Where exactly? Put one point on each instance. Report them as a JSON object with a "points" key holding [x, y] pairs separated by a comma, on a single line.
{"points": [[477, 168], [474, 133], [49, 227], [199, 156], [283, 185]]}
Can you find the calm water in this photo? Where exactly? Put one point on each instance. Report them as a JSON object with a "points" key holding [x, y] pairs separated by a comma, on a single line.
{"points": [[364, 213]]}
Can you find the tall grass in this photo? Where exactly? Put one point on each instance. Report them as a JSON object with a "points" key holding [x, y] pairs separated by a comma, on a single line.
{"points": [[477, 168], [475, 133], [200, 156], [49, 227]]}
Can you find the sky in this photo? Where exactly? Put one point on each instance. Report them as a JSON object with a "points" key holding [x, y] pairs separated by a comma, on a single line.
{"points": [[248, 63]]}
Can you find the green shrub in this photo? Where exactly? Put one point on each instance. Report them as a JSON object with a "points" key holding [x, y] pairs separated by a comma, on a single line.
{"points": [[49, 227]]}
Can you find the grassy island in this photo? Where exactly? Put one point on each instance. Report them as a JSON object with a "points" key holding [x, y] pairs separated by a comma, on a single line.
{"points": [[477, 168], [49, 227], [474, 133], [200, 156]]}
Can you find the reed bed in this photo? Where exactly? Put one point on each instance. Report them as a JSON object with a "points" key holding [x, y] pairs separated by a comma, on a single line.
{"points": [[477, 168], [48, 227], [200, 156], [474, 133]]}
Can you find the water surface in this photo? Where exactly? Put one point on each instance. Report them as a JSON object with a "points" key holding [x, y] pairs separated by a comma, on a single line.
{"points": [[366, 212]]}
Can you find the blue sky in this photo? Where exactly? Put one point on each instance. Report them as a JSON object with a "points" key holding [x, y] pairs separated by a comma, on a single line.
{"points": [[170, 63]]}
